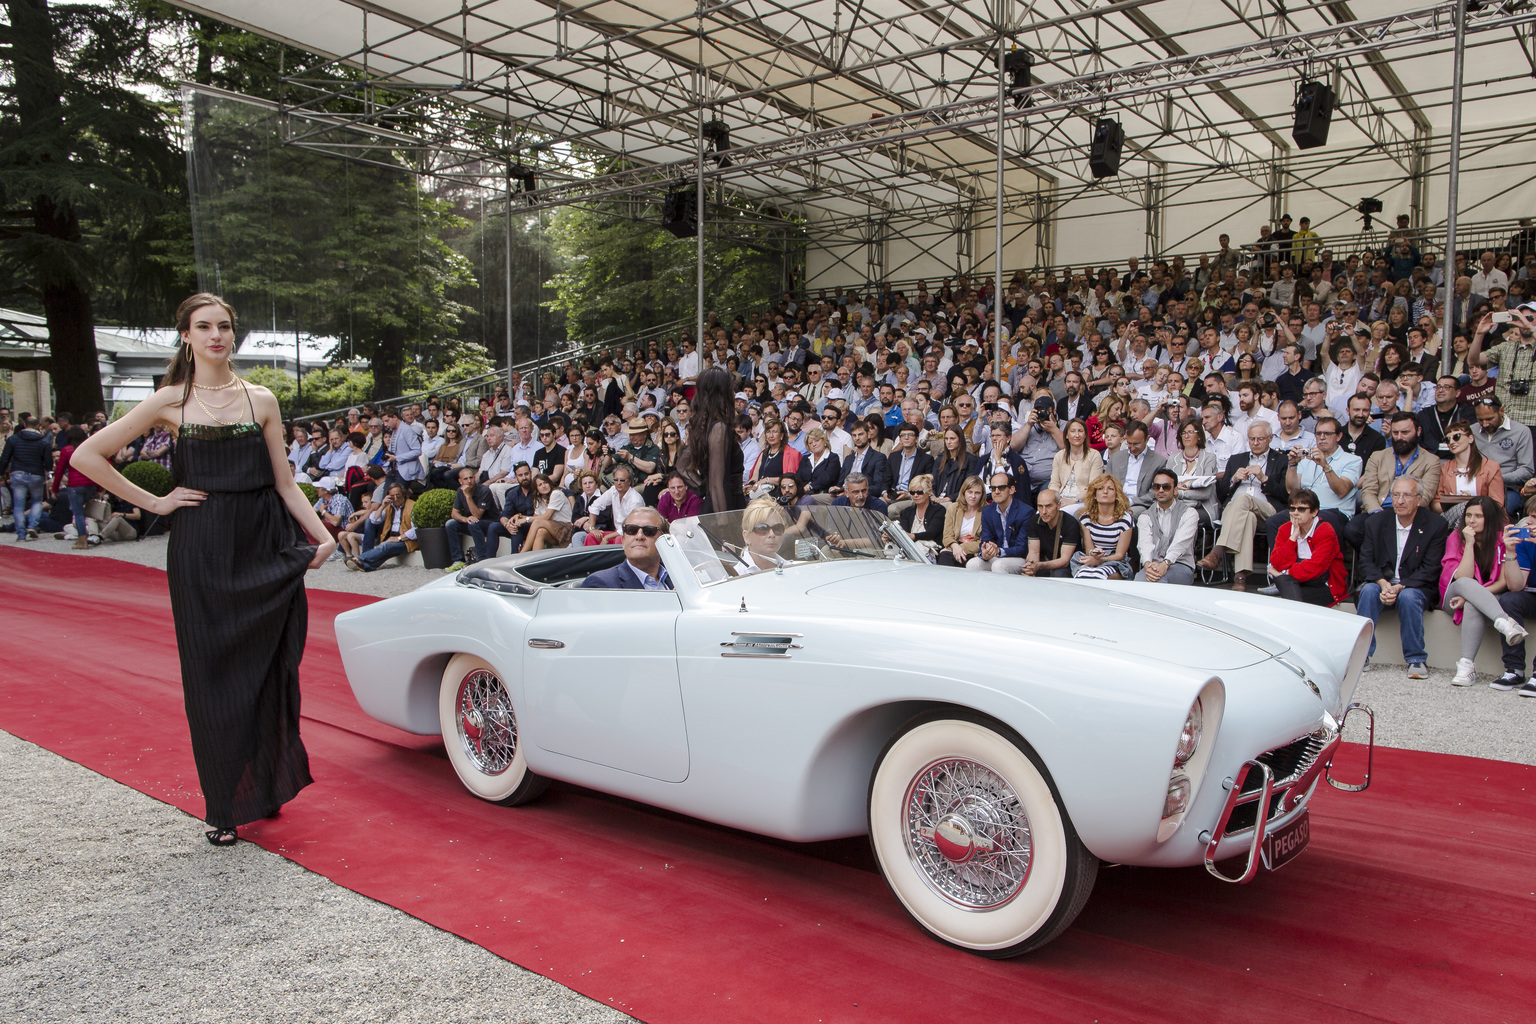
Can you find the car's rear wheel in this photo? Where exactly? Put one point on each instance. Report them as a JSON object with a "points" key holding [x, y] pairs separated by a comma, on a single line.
{"points": [[481, 734], [971, 838]]}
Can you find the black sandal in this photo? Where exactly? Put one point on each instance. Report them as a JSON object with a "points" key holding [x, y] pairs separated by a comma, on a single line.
{"points": [[222, 836]]}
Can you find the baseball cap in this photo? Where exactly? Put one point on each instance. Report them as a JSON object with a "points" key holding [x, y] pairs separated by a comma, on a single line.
{"points": [[327, 483]]}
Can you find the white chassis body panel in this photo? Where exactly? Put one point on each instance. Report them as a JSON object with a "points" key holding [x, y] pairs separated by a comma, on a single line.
{"points": [[1097, 678]]}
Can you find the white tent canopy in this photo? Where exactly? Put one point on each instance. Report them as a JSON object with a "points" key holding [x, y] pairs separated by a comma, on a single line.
{"points": [[875, 120]]}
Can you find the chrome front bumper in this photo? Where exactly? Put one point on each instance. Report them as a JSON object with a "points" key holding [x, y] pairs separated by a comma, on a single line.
{"points": [[1275, 801]]}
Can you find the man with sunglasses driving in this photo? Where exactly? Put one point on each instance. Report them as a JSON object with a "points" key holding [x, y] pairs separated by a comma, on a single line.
{"points": [[641, 568]]}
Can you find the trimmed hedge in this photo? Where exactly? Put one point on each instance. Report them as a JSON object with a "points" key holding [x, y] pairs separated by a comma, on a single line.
{"points": [[432, 508], [151, 476], [310, 494]]}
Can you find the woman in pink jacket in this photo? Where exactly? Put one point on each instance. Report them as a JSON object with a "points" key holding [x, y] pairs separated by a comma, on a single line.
{"points": [[1471, 578]]}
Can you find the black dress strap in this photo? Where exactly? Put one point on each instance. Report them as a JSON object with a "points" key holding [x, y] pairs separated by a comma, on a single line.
{"points": [[247, 389]]}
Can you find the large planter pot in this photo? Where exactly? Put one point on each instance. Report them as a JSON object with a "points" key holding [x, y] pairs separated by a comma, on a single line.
{"points": [[435, 549]]}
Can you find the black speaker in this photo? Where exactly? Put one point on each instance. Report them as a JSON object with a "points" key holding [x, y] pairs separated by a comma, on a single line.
{"points": [[1104, 154], [680, 212], [1017, 64], [1314, 109]]}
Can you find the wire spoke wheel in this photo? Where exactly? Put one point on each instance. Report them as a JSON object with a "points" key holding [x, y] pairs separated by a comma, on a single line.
{"points": [[480, 733], [487, 726], [971, 838], [968, 833]]}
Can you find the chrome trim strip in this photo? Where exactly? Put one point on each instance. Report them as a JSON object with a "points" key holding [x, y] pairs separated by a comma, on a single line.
{"points": [[541, 644], [728, 654], [764, 632], [1261, 825]]}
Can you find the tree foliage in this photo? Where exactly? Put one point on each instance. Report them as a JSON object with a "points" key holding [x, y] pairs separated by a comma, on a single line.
{"points": [[88, 171], [624, 274]]}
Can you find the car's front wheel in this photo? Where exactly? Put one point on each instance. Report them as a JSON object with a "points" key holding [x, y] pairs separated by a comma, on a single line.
{"points": [[971, 838], [481, 734]]}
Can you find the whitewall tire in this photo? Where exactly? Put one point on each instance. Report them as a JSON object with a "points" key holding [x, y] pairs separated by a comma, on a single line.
{"points": [[480, 730], [972, 839]]}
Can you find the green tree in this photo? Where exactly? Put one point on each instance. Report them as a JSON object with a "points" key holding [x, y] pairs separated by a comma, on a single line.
{"points": [[623, 274], [88, 165], [299, 238]]}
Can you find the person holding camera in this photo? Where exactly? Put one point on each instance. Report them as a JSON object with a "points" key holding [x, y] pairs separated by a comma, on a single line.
{"points": [[1515, 356]]}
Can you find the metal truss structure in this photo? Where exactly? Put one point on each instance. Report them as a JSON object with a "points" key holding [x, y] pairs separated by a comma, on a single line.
{"points": [[868, 119]]}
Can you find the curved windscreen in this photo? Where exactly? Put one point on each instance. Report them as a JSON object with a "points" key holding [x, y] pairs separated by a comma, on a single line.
{"points": [[765, 536]]}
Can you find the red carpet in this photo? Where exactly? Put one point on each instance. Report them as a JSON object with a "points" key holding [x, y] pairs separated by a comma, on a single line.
{"points": [[1415, 902]]}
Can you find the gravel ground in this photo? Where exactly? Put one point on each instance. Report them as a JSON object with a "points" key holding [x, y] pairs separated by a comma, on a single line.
{"points": [[119, 917], [385, 582]]}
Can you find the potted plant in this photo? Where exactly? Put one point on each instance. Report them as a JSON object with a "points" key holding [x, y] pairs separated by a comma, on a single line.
{"points": [[428, 515], [155, 479]]}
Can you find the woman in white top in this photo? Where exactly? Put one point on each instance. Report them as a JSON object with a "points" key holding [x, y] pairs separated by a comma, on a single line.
{"points": [[551, 523], [1197, 470], [1074, 467]]}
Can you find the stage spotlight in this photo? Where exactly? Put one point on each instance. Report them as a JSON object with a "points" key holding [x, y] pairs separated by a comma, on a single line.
{"points": [[1017, 64], [1104, 153], [680, 212], [1314, 109], [719, 133]]}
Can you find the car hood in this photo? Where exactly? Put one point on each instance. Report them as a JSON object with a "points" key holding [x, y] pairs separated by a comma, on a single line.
{"points": [[1058, 610]]}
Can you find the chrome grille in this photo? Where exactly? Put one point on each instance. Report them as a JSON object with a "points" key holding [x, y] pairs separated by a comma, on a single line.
{"points": [[1290, 762]]}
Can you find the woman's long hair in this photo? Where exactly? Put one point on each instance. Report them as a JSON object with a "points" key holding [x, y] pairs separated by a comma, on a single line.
{"points": [[1065, 428], [1485, 547], [1122, 503], [180, 368], [946, 462], [713, 402], [1474, 456]]}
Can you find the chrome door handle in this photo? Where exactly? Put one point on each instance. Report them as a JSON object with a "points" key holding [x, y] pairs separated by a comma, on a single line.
{"points": [[546, 645]]}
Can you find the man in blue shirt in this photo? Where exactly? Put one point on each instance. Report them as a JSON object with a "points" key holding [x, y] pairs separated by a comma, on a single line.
{"points": [[1518, 602], [1004, 530]]}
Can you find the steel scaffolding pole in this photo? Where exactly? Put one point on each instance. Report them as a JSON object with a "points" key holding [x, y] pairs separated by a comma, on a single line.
{"points": [[1453, 169], [997, 294]]}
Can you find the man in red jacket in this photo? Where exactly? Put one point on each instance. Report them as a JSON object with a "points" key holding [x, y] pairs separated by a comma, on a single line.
{"points": [[1305, 563]]}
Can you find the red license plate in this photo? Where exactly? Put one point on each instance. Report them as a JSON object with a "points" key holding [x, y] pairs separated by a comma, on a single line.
{"points": [[1281, 846]]}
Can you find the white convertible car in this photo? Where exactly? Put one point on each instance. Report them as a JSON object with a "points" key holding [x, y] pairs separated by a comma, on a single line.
{"points": [[997, 737]]}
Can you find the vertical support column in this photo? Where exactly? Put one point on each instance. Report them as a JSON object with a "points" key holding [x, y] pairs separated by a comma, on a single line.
{"points": [[1276, 187], [1153, 204], [507, 275], [997, 293], [1045, 226], [1453, 182], [507, 259], [698, 203], [1418, 201]]}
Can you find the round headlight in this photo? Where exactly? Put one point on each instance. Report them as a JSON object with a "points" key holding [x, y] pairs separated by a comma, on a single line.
{"points": [[1189, 736]]}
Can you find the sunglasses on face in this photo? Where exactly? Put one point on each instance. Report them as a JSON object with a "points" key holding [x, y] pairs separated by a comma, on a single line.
{"points": [[1162, 487], [670, 433], [1301, 508], [763, 529], [1456, 437], [631, 529], [999, 487]]}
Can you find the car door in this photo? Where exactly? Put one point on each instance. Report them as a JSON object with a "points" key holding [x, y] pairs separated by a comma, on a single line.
{"points": [[600, 680]]}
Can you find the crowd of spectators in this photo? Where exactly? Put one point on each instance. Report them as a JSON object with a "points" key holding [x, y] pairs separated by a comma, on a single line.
{"points": [[1256, 418]]}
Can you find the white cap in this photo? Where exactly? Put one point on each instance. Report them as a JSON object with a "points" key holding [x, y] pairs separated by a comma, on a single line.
{"points": [[833, 393], [327, 483], [743, 396]]}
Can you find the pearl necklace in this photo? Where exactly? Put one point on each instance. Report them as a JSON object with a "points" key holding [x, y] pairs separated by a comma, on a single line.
{"points": [[215, 416], [233, 380]]}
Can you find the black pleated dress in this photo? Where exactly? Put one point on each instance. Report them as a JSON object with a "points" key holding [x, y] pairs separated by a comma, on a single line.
{"points": [[236, 570]]}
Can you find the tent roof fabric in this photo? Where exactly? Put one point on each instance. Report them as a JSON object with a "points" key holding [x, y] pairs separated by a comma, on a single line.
{"points": [[633, 78]]}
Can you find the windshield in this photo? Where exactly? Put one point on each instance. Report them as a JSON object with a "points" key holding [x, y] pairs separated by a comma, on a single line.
{"points": [[766, 536]]}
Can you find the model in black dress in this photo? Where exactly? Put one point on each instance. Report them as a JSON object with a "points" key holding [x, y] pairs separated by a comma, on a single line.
{"points": [[236, 561], [236, 571]]}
